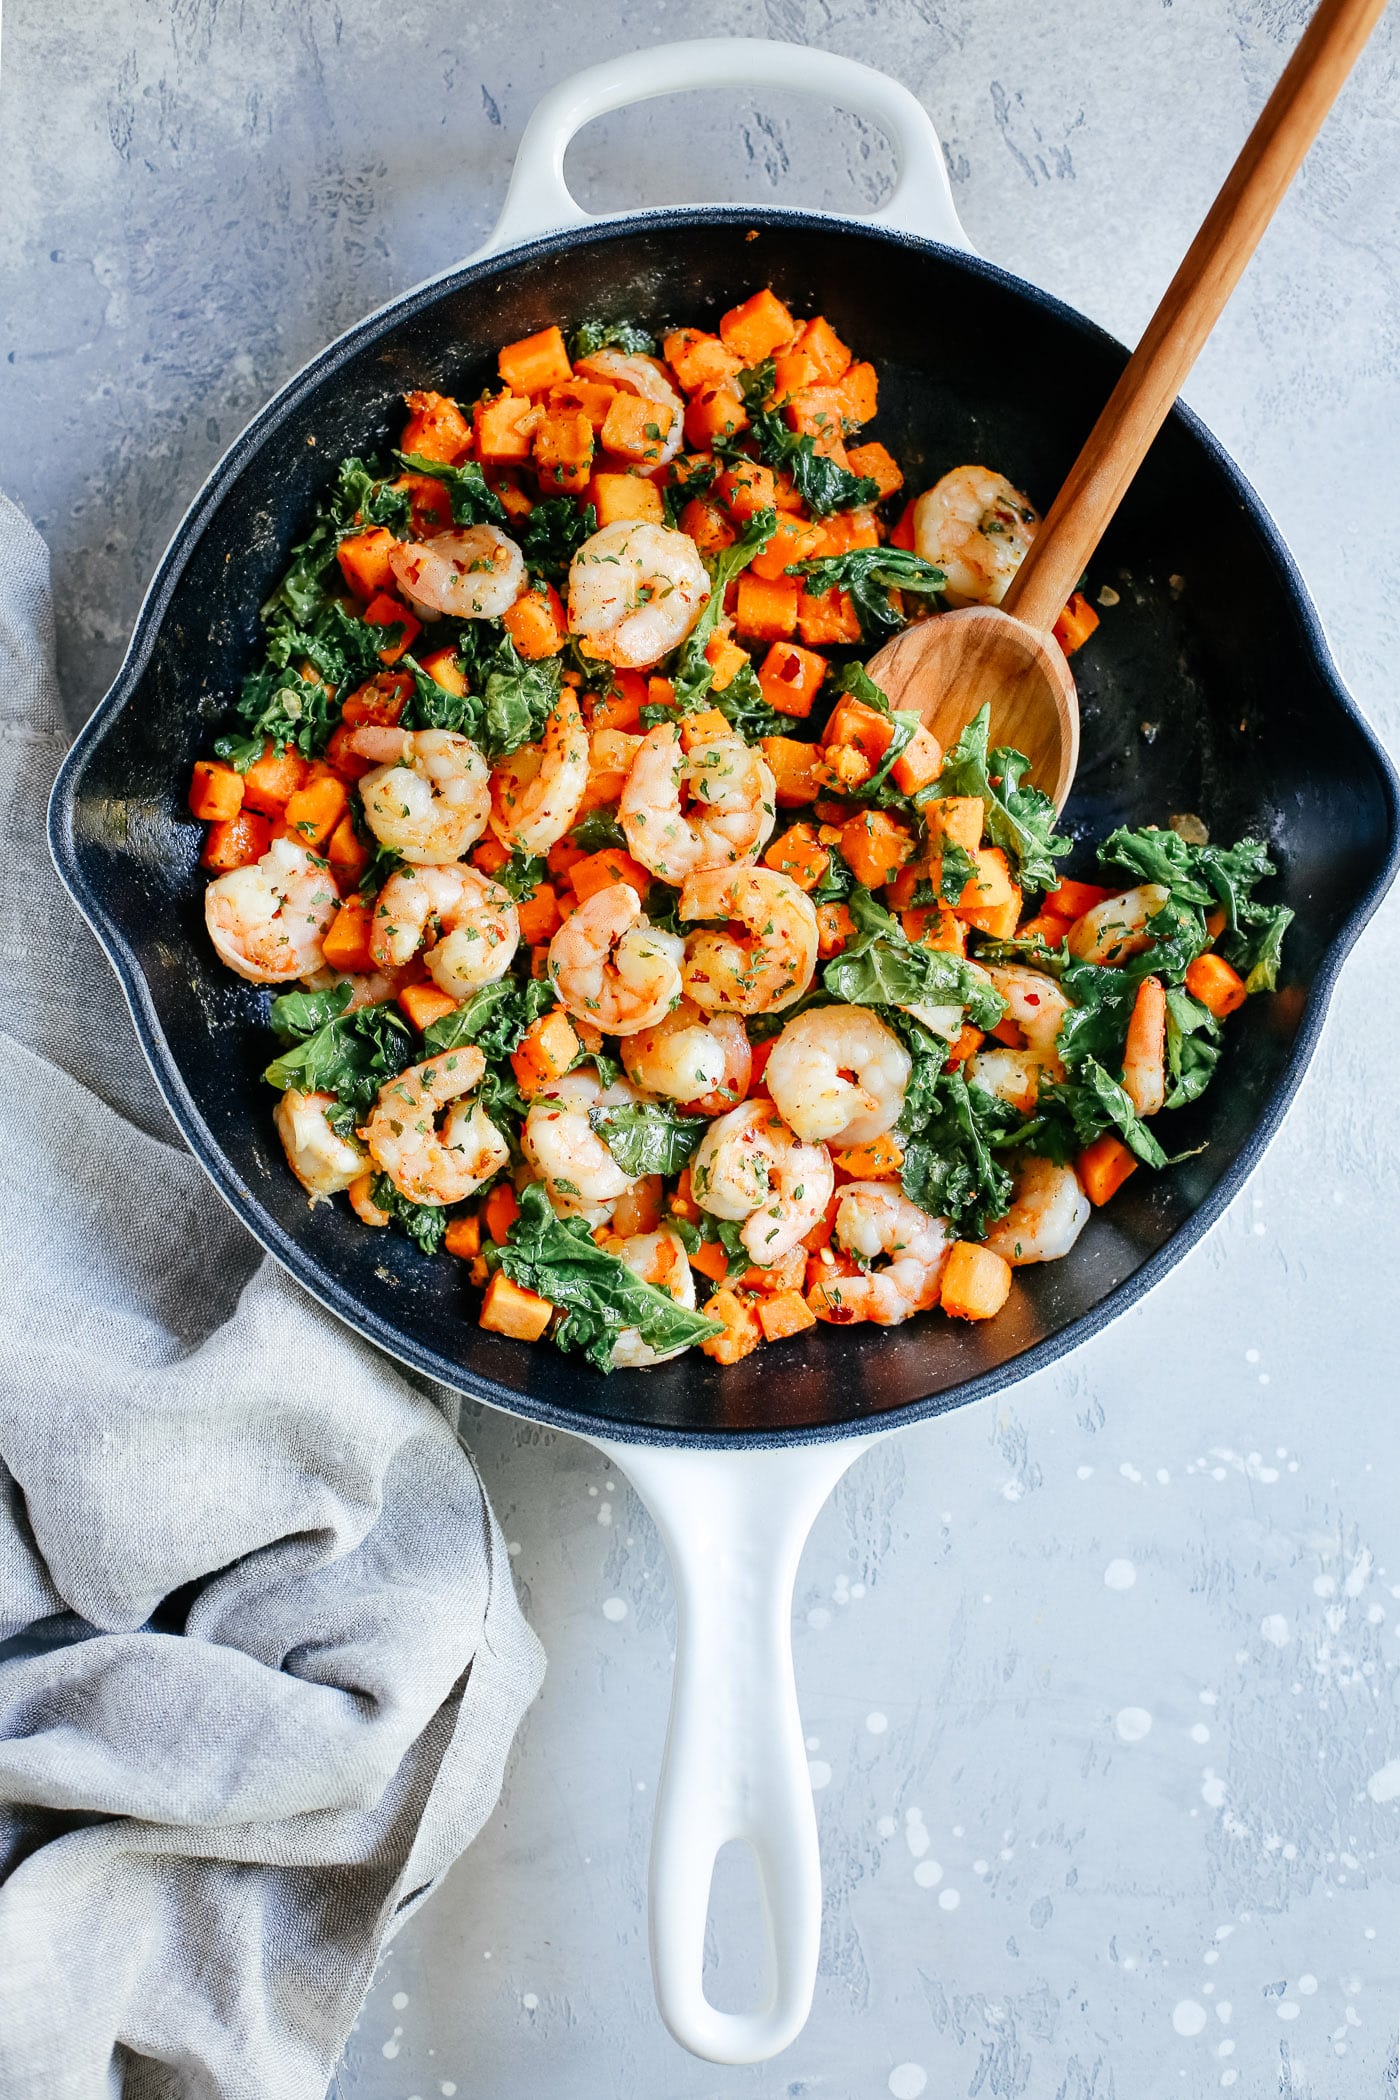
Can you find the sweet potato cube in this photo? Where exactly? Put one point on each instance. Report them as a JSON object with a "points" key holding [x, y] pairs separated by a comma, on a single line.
{"points": [[314, 811], [379, 701], [742, 1332], [880, 1160], [536, 623], [766, 611], [599, 871], [903, 534], [790, 678], [347, 853], [1070, 900], [794, 769], [746, 488], [958, 819], [504, 429], [346, 946], [787, 1312], [508, 1309], [725, 659], [429, 504], [699, 727], [968, 1043], [636, 428], [618, 496], [854, 726], [423, 1004], [990, 885], [877, 465], [1219, 987], [436, 429], [386, 611], [800, 855], [918, 763], [216, 791], [935, 926], [499, 1212], [546, 1051], [539, 915], [817, 413], [792, 371], [1103, 1167], [592, 397], [621, 707], [998, 920], [364, 561], [875, 846], [463, 1237], [699, 360], [976, 1283], [563, 451], [707, 525], [236, 842], [716, 411], [757, 327], [796, 539], [827, 619], [850, 529], [710, 1260], [1075, 624], [824, 346], [444, 668], [534, 363], [834, 928], [859, 392]]}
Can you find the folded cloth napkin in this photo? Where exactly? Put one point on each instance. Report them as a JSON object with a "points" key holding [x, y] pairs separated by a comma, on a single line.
{"points": [[262, 1657]]}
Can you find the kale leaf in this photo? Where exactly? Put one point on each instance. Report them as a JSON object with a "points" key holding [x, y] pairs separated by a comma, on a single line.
{"points": [[627, 336], [880, 966], [361, 496], [1206, 877], [648, 1137], [1019, 819], [554, 530], [822, 482], [1096, 1102], [494, 1018], [950, 1169], [424, 1223], [558, 1259], [956, 868], [599, 829], [350, 1055], [1193, 1047], [692, 674], [869, 574], [473, 503]]}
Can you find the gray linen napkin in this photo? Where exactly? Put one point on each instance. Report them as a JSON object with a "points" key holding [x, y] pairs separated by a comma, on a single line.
{"points": [[263, 1660]]}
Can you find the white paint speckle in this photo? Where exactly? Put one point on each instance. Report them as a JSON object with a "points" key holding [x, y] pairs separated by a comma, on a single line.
{"points": [[949, 1899], [1385, 1784], [1189, 2017], [819, 1618], [530, 2001], [1288, 2008], [886, 1826], [614, 1608], [1200, 1733], [876, 1723], [916, 1832], [1275, 1628], [1083, 1472], [1306, 1986], [1119, 1575], [1133, 1723], [399, 2000], [448, 2088], [1212, 1790], [928, 1873], [819, 1772], [907, 2081]]}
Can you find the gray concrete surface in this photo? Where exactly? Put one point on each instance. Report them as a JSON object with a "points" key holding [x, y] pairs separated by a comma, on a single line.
{"points": [[1100, 1679]]}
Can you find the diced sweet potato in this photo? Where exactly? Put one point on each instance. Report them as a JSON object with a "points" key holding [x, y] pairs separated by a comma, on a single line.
{"points": [[794, 769], [364, 561], [745, 488], [347, 945], [388, 611], [536, 623], [593, 397], [902, 535], [510, 1310], [786, 1313], [602, 869], [618, 496], [708, 525], [824, 346], [436, 429], [834, 928], [347, 853], [935, 926], [423, 1004], [918, 763], [875, 846], [699, 360], [563, 451], [880, 1160], [790, 677], [546, 1051], [216, 791], [799, 855], [958, 819], [757, 327], [1103, 1167], [711, 1261], [382, 699], [716, 411], [1075, 624], [725, 658], [795, 539], [429, 504], [701, 726], [504, 429], [969, 1041], [1218, 987], [854, 726], [539, 915], [742, 1332], [817, 413], [792, 371], [314, 811], [989, 885], [636, 428], [499, 1212], [444, 668], [463, 1237], [272, 778], [827, 619], [847, 530], [534, 363], [877, 465], [1070, 900], [766, 611], [236, 842], [860, 393], [976, 1282]]}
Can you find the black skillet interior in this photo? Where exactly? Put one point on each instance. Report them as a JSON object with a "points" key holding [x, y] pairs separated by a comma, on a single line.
{"points": [[1207, 689]]}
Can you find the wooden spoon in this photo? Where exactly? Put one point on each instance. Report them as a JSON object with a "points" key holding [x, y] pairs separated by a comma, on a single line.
{"points": [[947, 667]]}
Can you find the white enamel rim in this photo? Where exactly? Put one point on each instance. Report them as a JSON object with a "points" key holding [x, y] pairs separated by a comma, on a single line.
{"points": [[733, 1522]]}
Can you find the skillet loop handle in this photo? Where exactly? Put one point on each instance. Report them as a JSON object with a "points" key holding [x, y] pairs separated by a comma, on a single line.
{"points": [[734, 1524], [539, 201]]}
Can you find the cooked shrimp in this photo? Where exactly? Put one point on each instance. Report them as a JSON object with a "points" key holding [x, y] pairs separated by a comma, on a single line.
{"points": [[475, 572], [581, 1177], [1037, 1005], [1110, 932], [537, 791], [1145, 1053], [612, 753], [323, 1162], [479, 923], [366, 988], [976, 528], [429, 797], [837, 1073], [635, 592], [267, 921], [632, 374], [1013, 1076], [434, 1145], [749, 1165], [768, 964], [612, 967], [1049, 1210], [660, 1259], [873, 1221], [710, 807], [701, 1060]]}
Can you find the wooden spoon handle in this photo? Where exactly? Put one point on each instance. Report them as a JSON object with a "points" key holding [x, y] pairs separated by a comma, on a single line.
{"points": [[1142, 399]]}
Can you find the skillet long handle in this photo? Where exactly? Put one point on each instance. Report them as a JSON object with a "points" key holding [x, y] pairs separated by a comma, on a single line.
{"points": [[1190, 308], [735, 1767]]}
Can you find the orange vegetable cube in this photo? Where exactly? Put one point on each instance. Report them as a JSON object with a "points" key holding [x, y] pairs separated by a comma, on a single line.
{"points": [[545, 1052], [592, 397], [918, 763], [314, 811], [716, 411], [859, 392], [216, 791], [969, 1041], [381, 700], [660, 692], [766, 611], [1070, 900], [563, 451], [364, 561], [934, 926], [436, 429], [790, 678], [711, 1260], [1046, 926], [976, 1283], [534, 363], [512, 498], [536, 623], [1103, 1167], [539, 915], [507, 1309], [699, 727], [236, 842], [342, 758], [742, 1333], [490, 856], [347, 945], [800, 855], [618, 496], [443, 667], [463, 1238], [880, 1160], [599, 871], [504, 429], [347, 853], [958, 819], [794, 769], [621, 708], [758, 327], [875, 846], [499, 1212], [1075, 624], [829, 354], [746, 488], [795, 539], [1218, 987], [792, 371], [816, 413], [786, 1313], [856, 727], [636, 428], [385, 611], [424, 1003], [990, 885], [877, 465], [707, 525], [725, 658], [827, 619], [849, 529], [429, 504], [834, 928], [699, 360], [903, 533]]}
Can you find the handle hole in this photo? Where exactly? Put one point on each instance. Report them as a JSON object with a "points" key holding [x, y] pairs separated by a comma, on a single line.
{"points": [[738, 1935], [780, 149]]}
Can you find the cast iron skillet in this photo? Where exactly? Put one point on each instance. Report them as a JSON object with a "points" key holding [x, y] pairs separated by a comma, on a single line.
{"points": [[1208, 689]]}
